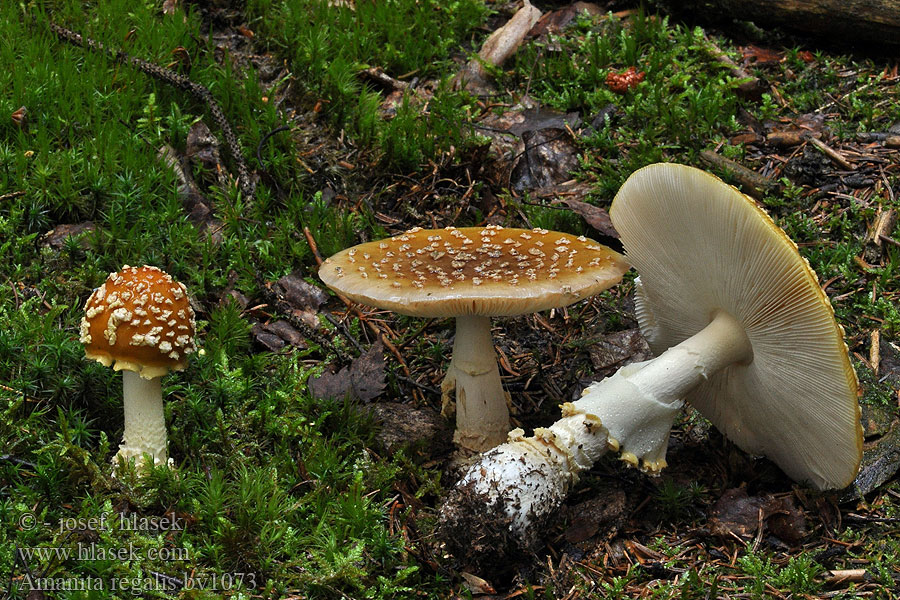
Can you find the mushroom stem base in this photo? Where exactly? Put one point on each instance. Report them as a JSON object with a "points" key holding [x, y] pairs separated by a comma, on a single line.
{"points": [[145, 423], [504, 501], [526, 479], [482, 415]]}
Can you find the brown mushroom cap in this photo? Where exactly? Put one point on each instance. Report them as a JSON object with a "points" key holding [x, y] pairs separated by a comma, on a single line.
{"points": [[487, 271], [139, 320]]}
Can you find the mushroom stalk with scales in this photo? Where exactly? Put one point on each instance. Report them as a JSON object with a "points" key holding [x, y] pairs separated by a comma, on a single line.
{"points": [[145, 421], [743, 332], [472, 274]]}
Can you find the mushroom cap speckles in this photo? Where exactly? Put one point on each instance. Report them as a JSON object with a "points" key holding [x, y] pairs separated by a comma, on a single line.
{"points": [[700, 246], [139, 320], [487, 271]]}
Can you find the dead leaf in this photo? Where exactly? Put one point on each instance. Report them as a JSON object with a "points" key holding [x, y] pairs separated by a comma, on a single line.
{"points": [[181, 60], [748, 137], [56, 237], [402, 425], [549, 158], [302, 299], [298, 293], [761, 56], [613, 350], [477, 585], [20, 116], [736, 514], [535, 119], [266, 339], [740, 515], [606, 511], [558, 20], [276, 335], [786, 521], [363, 379], [202, 147], [287, 332], [643, 553], [192, 199], [594, 216]]}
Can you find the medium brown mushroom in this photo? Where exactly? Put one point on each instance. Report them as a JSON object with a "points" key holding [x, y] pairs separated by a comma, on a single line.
{"points": [[472, 274], [141, 322]]}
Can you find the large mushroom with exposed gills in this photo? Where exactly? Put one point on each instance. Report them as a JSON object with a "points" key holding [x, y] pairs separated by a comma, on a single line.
{"points": [[743, 332], [140, 322], [473, 274]]}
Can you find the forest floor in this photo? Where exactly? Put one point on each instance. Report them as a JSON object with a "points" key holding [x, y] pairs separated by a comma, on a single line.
{"points": [[350, 125]]}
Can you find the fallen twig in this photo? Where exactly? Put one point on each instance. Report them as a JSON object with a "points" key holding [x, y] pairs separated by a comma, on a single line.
{"points": [[248, 187], [755, 184], [11, 195], [831, 153], [841, 576], [750, 86], [265, 139], [18, 461], [499, 46]]}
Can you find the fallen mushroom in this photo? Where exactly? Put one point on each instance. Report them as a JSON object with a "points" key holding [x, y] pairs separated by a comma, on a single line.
{"points": [[746, 335], [141, 322], [472, 274]]}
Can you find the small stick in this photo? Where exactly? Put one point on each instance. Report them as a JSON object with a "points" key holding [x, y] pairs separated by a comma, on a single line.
{"points": [[884, 224], [840, 576], [263, 141], [312, 245], [756, 184], [6, 388], [200, 92], [11, 195], [832, 153], [752, 86], [889, 240], [18, 461], [787, 138], [875, 350], [343, 329]]}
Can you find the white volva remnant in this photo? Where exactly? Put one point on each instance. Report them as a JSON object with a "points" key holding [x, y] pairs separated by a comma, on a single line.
{"points": [[743, 332]]}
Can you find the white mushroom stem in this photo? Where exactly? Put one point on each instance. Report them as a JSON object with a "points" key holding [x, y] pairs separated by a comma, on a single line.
{"points": [[632, 411], [145, 423], [482, 416]]}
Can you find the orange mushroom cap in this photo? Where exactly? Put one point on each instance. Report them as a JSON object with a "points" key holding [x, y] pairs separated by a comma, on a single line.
{"points": [[139, 320]]}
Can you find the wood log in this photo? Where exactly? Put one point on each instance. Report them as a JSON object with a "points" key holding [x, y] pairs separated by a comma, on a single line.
{"points": [[863, 22]]}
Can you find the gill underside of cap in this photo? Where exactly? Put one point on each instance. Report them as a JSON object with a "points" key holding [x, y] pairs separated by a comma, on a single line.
{"points": [[701, 246]]}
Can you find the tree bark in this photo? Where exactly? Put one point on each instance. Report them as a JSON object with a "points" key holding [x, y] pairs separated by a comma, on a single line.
{"points": [[867, 22]]}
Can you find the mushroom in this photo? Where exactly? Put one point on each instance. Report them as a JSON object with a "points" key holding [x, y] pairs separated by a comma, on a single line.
{"points": [[472, 274], [141, 322], [745, 333]]}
